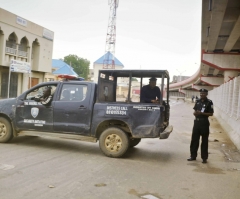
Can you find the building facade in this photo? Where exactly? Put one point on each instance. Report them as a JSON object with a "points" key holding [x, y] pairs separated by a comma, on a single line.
{"points": [[24, 41], [98, 65]]}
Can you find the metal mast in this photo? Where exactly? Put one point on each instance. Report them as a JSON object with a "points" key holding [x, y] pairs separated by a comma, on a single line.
{"points": [[108, 62]]}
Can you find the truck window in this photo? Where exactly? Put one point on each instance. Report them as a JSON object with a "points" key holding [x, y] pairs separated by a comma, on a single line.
{"points": [[38, 92], [123, 89], [116, 89], [106, 92], [73, 92]]}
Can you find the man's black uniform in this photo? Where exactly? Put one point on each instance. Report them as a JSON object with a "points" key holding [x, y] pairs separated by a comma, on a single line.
{"points": [[148, 94], [201, 128]]}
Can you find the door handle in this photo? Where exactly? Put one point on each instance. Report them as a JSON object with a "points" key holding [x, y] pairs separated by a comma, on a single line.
{"points": [[82, 107]]}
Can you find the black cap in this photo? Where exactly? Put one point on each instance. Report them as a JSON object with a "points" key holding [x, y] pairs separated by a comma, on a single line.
{"points": [[153, 79], [203, 90]]}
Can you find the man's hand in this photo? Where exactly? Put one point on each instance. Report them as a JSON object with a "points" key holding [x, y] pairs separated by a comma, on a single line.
{"points": [[37, 99], [196, 113], [155, 101]]}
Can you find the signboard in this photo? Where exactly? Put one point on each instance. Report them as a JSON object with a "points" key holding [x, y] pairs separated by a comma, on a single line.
{"points": [[21, 21], [48, 34], [20, 66]]}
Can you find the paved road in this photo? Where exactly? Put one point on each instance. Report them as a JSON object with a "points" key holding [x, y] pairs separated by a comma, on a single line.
{"points": [[44, 168]]}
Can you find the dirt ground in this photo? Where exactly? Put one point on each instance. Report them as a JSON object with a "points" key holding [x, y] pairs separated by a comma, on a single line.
{"points": [[43, 168]]}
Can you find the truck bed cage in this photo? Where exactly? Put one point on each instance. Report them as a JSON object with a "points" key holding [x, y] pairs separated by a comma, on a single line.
{"points": [[107, 82], [136, 73]]}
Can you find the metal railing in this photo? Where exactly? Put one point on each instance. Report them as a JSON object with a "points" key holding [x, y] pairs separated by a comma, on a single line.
{"points": [[227, 97], [176, 94], [22, 53], [12, 51], [11, 44]]}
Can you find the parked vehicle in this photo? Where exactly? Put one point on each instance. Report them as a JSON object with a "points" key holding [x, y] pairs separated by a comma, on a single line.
{"points": [[93, 112]]}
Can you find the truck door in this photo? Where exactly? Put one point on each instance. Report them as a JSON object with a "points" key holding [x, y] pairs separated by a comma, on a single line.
{"points": [[32, 115], [72, 110]]}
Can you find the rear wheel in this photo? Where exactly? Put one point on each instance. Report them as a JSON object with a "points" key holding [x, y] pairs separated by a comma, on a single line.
{"points": [[134, 142], [5, 130], [114, 142]]}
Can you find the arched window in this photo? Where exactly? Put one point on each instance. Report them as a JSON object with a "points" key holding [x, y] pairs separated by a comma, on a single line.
{"points": [[22, 48], [11, 44]]}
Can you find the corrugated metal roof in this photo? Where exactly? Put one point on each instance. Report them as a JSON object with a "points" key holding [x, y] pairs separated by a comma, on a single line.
{"points": [[101, 59], [57, 63], [66, 70]]}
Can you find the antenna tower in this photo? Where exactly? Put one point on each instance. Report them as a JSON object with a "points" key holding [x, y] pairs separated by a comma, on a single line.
{"points": [[108, 62]]}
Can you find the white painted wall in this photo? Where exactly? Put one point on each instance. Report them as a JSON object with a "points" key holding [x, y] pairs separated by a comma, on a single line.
{"points": [[226, 101]]}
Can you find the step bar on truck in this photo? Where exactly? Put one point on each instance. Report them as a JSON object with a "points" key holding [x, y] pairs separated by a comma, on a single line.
{"points": [[58, 135], [165, 134]]}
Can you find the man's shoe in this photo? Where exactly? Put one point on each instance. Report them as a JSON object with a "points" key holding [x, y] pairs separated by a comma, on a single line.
{"points": [[204, 161], [191, 159]]}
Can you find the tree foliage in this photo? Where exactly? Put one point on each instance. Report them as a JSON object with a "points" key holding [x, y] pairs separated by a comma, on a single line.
{"points": [[80, 65]]}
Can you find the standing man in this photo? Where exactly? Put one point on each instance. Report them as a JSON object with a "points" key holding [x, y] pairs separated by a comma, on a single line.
{"points": [[202, 110], [150, 93], [193, 98]]}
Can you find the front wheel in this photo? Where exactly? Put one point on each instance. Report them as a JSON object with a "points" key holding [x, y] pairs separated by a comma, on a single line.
{"points": [[5, 130], [114, 142]]}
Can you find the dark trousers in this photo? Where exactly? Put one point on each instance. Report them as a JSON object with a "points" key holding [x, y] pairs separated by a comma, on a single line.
{"points": [[200, 128]]}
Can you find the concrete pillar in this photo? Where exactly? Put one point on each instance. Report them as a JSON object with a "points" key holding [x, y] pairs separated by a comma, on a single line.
{"points": [[17, 58], [25, 82], [29, 55], [228, 75], [19, 88], [2, 47]]}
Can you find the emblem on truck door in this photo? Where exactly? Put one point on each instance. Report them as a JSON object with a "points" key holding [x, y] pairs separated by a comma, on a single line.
{"points": [[34, 112]]}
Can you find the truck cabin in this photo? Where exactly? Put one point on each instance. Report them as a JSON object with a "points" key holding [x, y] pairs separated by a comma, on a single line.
{"points": [[124, 86]]}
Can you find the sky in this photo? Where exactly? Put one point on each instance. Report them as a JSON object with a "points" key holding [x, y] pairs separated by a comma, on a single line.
{"points": [[150, 34]]}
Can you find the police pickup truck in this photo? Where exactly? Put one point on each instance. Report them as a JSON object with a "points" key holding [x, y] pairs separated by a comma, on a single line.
{"points": [[109, 112]]}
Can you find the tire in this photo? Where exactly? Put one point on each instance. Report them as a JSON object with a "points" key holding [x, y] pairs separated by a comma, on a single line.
{"points": [[134, 142], [114, 142], [6, 133]]}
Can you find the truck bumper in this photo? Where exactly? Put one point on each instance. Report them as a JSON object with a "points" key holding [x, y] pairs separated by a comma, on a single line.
{"points": [[165, 134]]}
